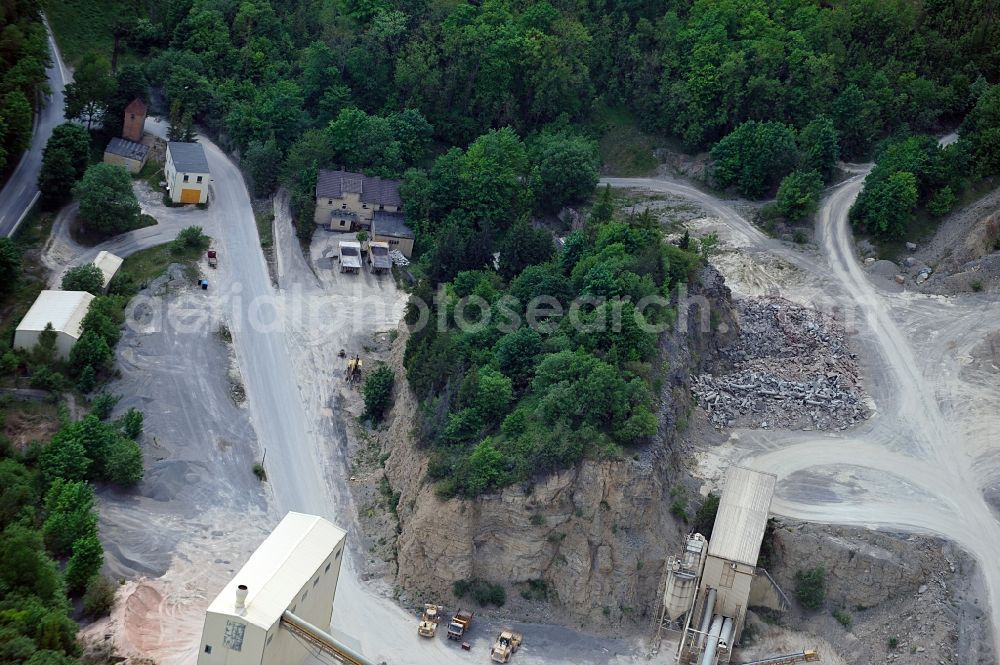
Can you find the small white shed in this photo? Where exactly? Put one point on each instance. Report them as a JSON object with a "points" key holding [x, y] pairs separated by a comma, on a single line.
{"points": [[64, 310], [109, 265]]}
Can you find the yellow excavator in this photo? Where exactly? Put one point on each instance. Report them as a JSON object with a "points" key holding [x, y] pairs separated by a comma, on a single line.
{"points": [[429, 620]]}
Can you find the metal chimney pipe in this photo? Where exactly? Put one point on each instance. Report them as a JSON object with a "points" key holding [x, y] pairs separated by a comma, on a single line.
{"points": [[241, 596]]}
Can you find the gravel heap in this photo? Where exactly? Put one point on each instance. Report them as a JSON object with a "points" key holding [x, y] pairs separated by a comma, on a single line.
{"points": [[789, 369]]}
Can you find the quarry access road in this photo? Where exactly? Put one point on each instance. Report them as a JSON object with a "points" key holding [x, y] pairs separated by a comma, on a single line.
{"points": [[925, 461], [20, 192]]}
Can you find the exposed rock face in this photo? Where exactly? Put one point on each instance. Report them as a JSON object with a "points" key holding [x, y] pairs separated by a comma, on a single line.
{"points": [[597, 534], [862, 569]]}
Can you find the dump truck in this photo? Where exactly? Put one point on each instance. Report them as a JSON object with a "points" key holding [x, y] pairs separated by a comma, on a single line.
{"points": [[505, 645], [429, 620], [350, 257], [459, 624], [378, 257], [213, 258]]}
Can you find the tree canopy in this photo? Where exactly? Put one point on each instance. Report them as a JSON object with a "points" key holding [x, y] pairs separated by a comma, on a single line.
{"points": [[107, 203]]}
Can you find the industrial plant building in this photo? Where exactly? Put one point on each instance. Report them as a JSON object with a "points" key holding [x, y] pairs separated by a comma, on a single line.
{"points": [[707, 590], [277, 608]]}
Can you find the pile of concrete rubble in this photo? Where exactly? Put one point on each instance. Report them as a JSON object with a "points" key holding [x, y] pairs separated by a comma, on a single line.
{"points": [[790, 368]]}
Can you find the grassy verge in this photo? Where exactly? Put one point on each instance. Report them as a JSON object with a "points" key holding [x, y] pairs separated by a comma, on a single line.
{"points": [[147, 264], [86, 26], [91, 238], [625, 151], [265, 229], [15, 304]]}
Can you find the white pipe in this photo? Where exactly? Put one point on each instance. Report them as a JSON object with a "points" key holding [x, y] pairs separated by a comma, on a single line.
{"points": [[341, 652], [706, 619], [726, 634], [708, 658]]}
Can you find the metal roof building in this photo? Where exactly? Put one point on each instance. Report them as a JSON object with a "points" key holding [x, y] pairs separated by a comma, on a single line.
{"points": [[64, 310], [742, 517], [730, 567], [295, 569], [109, 264]]}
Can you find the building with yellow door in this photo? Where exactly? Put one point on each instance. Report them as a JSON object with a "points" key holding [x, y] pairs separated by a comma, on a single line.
{"points": [[186, 173]]}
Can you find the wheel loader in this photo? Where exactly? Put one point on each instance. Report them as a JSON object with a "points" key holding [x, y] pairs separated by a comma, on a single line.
{"points": [[506, 644], [429, 620]]}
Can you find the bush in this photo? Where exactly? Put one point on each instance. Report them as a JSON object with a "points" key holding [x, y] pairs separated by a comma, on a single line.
{"points": [[103, 404], [131, 423], [87, 380], [843, 618], [84, 278], [942, 202], [483, 593], [190, 238], [10, 264], [46, 379], [99, 598], [377, 392], [704, 518], [87, 559], [798, 194], [810, 587], [258, 470]]}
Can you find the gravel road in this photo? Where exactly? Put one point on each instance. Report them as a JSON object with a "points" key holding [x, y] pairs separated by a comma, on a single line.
{"points": [[925, 462]]}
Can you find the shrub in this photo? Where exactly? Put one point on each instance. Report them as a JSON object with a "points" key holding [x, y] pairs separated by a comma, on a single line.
{"points": [[704, 518], [893, 642], [377, 392], [843, 618], [258, 470], [123, 462], [483, 593], [87, 380], [88, 556], [798, 195], [102, 405], [810, 587], [190, 238], [84, 278], [131, 423], [10, 264], [99, 598], [46, 379], [942, 202]]}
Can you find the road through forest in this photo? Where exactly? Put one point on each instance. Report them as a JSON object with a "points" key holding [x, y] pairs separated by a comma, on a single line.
{"points": [[924, 461], [21, 190]]}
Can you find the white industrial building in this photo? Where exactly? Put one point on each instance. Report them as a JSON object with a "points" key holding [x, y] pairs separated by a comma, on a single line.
{"points": [[277, 608], [64, 310], [707, 590], [108, 264]]}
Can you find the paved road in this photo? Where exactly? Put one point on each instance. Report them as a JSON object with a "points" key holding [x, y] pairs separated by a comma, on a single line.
{"points": [[21, 191]]}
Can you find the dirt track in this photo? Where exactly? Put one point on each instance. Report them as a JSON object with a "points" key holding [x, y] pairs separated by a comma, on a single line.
{"points": [[923, 462]]}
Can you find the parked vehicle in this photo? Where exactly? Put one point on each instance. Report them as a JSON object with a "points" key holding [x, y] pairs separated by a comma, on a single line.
{"points": [[429, 620], [213, 259], [506, 644], [459, 624]]}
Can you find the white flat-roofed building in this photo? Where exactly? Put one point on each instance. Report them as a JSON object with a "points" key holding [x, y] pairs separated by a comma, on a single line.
{"points": [[295, 569], [108, 264], [64, 310]]}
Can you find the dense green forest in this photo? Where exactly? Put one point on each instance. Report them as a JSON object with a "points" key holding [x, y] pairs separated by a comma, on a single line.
{"points": [[506, 394], [383, 85], [490, 111], [24, 52]]}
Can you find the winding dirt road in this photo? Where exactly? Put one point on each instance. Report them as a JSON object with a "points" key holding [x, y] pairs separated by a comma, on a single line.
{"points": [[925, 460]]}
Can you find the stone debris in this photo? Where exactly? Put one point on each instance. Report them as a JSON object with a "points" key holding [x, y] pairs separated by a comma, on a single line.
{"points": [[790, 368], [397, 258]]}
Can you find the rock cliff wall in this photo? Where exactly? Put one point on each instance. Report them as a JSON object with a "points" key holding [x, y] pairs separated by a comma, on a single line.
{"points": [[597, 534]]}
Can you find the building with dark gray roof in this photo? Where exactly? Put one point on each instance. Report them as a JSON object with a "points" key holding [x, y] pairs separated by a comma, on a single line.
{"points": [[346, 201], [126, 153]]}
